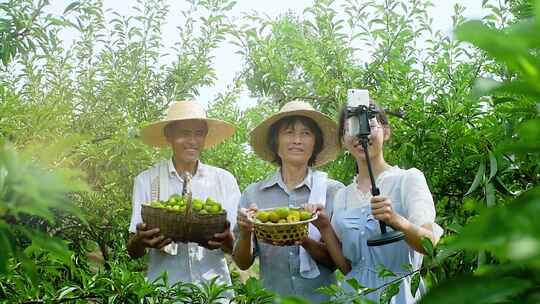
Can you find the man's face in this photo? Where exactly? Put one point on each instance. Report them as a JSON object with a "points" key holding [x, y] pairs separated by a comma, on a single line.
{"points": [[187, 139]]}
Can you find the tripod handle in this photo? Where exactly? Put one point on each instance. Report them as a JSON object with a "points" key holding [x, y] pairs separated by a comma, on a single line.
{"points": [[374, 192]]}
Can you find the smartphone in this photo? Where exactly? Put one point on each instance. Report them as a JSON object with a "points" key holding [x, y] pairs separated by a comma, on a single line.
{"points": [[355, 99]]}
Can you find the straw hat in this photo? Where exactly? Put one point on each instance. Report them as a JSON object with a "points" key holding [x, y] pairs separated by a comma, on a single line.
{"points": [[259, 135], [218, 130]]}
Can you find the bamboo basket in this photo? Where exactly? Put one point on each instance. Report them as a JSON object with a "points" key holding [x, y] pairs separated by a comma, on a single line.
{"points": [[189, 226], [284, 234]]}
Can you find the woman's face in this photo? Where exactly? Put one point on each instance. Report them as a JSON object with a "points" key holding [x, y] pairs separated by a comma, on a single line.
{"points": [[379, 134], [295, 144]]}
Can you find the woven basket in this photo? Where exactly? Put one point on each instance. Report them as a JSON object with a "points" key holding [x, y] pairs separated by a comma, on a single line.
{"points": [[184, 227], [284, 234]]}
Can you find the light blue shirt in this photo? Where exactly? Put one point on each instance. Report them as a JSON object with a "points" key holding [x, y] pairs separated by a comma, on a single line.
{"points": [[280, 266], [354, 225]]}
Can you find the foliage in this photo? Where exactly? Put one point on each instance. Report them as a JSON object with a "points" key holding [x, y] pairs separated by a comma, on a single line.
{"points": [[466, 115], [509, 232], [29, 198]]}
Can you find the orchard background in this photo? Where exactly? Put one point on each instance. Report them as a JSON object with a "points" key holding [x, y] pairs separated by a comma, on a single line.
{"points": [[465, 110]]}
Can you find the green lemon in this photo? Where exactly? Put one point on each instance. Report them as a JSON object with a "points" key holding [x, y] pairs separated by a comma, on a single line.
{"points": [[263, 216], [293, 218], [283, 212], [305, 215], [215, 209], [197, 206], [273, 216], [295, 213]]}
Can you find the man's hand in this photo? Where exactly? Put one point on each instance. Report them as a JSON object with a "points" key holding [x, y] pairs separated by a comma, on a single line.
{"points": [[150, 238], [223, 240]]}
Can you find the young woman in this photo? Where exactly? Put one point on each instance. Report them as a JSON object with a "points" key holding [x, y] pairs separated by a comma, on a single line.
{"points": [[405, 204]]}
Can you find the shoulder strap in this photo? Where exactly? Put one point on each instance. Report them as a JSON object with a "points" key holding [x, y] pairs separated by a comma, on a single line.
{"points": [[157, 182]]}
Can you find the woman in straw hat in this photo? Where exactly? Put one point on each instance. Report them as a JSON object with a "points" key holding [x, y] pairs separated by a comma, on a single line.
{"points": [[188, 131], [295, 139]]}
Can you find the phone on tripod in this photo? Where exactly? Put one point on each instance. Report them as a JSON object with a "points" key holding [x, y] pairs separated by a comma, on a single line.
{"points": [[359, 112]]}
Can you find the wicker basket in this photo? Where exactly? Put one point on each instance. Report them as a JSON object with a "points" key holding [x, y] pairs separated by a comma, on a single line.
{"points": [[184, 227], [284, 234]]}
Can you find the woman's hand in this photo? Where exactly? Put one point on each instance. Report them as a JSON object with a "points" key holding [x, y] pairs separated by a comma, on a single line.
{"points": [[382, 210], [244, 219], [323, 220]]}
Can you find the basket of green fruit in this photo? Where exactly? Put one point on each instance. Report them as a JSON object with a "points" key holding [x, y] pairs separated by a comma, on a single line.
{"points": [[282, 226], [185, 220]]}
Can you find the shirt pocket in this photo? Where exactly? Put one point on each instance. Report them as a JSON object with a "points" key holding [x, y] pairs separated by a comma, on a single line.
{"points": [[353, 239]]}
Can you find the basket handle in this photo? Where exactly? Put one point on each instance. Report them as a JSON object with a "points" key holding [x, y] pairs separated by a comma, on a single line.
{"points": [[186, 192]]}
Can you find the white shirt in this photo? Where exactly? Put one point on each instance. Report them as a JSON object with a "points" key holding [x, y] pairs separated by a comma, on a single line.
{"points": [[193, 263]]}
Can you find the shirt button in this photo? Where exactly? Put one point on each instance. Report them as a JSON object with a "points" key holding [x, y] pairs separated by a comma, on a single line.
{"points": [[291, 254]]}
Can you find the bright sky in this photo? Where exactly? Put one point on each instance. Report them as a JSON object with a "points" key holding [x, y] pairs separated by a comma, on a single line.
{"points": [[227, 63]]}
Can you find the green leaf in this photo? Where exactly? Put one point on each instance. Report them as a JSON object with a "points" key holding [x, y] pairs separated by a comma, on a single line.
{"points": [[510, 231], [389, 292], [415, 283], [478, 178], [503, 187], [5, 244], [490, 194], [492, 165], [354, 284], [467, 289], [428, 246], [384, 272], [71, 6]]}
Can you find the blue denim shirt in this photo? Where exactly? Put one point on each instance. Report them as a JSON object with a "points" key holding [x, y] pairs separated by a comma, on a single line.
{"points": [[280, 266]]}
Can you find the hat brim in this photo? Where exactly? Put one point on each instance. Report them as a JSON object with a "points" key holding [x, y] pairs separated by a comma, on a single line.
{"points": [[259, 136], [218, 131]]}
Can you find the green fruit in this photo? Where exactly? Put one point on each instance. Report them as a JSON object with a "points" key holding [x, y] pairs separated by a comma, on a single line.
{"points": [[215, 209], [292, 218], [203, 211], [182, 209], [295, 213], [282, 221], [197, 206], [263, 216], [283, 212], [175, 207], [175, 198], [211, 201], [273, 216], [305, 215]]}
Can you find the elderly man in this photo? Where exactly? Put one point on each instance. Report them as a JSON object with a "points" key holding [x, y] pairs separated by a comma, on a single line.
{"points": [[188, 131]]}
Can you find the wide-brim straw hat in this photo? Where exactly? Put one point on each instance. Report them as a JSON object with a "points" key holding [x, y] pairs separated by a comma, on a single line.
{"points": [[218, 130], [259, 136]]}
